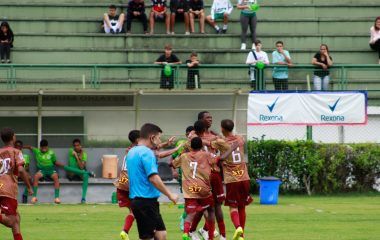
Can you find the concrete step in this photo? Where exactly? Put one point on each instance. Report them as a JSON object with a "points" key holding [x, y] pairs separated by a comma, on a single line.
{"points": [[120, 56], [265, 26]]}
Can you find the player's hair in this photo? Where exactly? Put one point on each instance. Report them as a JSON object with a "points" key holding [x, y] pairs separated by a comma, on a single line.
{"points": [[194, 54], [19, 142], [280, 42], [149, 129], [199, 126], [76, 140], [201, 114], [168, 47], [324, 45], [374, 25], [134, 135], [189, 129], [227, 124], [7, 134], [196, 143], [112, 6], [257, 42], [44, 143]]}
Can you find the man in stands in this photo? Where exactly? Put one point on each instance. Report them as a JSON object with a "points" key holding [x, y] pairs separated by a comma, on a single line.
{"points": [[11, 162], [113, 22], [179, 10], [159, 12], [136, 9]]}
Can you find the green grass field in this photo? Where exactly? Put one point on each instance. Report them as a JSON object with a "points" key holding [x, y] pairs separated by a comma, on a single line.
{"points": [[295, 218]]}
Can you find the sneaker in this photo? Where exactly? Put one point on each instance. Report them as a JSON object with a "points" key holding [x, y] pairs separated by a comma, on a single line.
{"points": [[34, 200], [24, 198], [187, 33], [219, 31], [253, 46], [124, 235], [9, 61], [224, 31], [172, 33], [83, 201], [203, 233], [57, 201], [194, 236], [2, 60], [91, 174], [243, 46], [112, 31], [185, 236], [238, 233]]}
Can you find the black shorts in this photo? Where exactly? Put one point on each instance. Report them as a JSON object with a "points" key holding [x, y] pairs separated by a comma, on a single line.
{"points": [[148, 217]]}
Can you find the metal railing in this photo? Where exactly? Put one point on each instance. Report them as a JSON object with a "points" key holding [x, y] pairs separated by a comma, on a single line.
{"points": [[148, 76]]}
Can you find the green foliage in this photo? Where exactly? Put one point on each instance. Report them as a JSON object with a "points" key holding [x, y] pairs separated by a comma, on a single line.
{"points": [[305, 166]]}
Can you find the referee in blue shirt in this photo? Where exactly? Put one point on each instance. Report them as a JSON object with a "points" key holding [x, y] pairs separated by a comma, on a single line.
{"points": [[145, 184]]}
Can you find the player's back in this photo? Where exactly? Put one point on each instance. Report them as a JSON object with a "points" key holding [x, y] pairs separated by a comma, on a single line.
{"points": [[10, 159]]}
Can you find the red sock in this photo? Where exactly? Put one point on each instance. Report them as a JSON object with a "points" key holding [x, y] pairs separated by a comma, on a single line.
{"points": [[222, 228], [128, 222], [196, 220], [17, 236], [206, 227], [186, 227], [242, 217], [211, 229], [235, 218]]}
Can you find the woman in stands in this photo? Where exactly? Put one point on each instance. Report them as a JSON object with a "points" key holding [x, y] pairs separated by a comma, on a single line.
{"points": [[323, 61], [247, 19], [6, 42], [374, 42]]}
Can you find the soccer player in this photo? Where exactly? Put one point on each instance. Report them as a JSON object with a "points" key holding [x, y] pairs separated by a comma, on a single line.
{"points": [[235, 176], [122, 185], [46, 162], [20, 145], [11, 165], [145, 184], [76, 170], [196, 170]]}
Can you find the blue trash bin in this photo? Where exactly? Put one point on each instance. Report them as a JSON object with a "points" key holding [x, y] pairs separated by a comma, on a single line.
{"points": [[269, 188]]}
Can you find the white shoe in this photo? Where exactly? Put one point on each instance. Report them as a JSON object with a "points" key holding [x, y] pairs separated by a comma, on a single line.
{"points": [[187, 33], [243, 46], [194, 236], [203, 233], [253, 46]]}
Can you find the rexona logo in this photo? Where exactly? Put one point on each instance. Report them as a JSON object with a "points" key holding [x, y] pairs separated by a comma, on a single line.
{"points": [[271, 117], [332, 118]]}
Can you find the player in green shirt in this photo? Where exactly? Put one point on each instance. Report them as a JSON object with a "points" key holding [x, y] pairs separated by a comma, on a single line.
{"points": [[20, 145], [76, 170], [46, 162]]}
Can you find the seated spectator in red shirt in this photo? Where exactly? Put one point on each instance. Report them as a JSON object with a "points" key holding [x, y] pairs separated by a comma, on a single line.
{"points": [[179, 10], [159, 12], [196, 10], [136, 9], [113, 22]]}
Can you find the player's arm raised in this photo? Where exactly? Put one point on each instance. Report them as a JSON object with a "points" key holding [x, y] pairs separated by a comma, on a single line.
{"points": [[167, 153]]}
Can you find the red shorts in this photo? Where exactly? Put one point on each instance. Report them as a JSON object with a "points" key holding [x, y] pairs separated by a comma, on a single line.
{"points": [[217, 187], [8, 206], [238, 194], [123, 198], [198, 204]]}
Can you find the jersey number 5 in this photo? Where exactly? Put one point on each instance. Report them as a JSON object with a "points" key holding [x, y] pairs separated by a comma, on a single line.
{"points": [[194, 166]]}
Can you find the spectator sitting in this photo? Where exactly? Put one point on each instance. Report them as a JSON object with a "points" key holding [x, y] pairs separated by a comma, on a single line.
{"points": [[167, 58], [374, 42], [247, 18], [6, 42], [253, 57], [46, 162], [112, 22], [136, 9], [220, 9], [179, 9], [159, 12], [196, 10], [20, 145], [76, 170], [323, 61], [282, 58], [193, 79]]}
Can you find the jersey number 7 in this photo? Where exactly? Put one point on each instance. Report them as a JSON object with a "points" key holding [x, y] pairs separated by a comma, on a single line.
{"points": [[194, 166]]}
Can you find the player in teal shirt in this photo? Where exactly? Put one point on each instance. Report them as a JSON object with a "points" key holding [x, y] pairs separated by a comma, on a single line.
{"points": [[46, 162]]}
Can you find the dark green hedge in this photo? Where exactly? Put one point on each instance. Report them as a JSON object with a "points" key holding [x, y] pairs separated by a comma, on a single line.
{"points": [[312, 167]]}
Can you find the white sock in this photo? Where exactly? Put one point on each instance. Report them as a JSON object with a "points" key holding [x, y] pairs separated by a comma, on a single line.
{"points": [[225, 27]]}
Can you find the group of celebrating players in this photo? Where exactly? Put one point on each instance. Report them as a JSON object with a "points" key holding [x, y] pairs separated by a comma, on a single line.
{"points": [[205, 159]]}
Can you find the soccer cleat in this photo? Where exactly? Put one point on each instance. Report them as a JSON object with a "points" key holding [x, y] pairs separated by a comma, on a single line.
{"points": [[34, 200], [124, 235], [194, 236], [238, 233], [203, 233], [57, 201], [185, 236]]}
